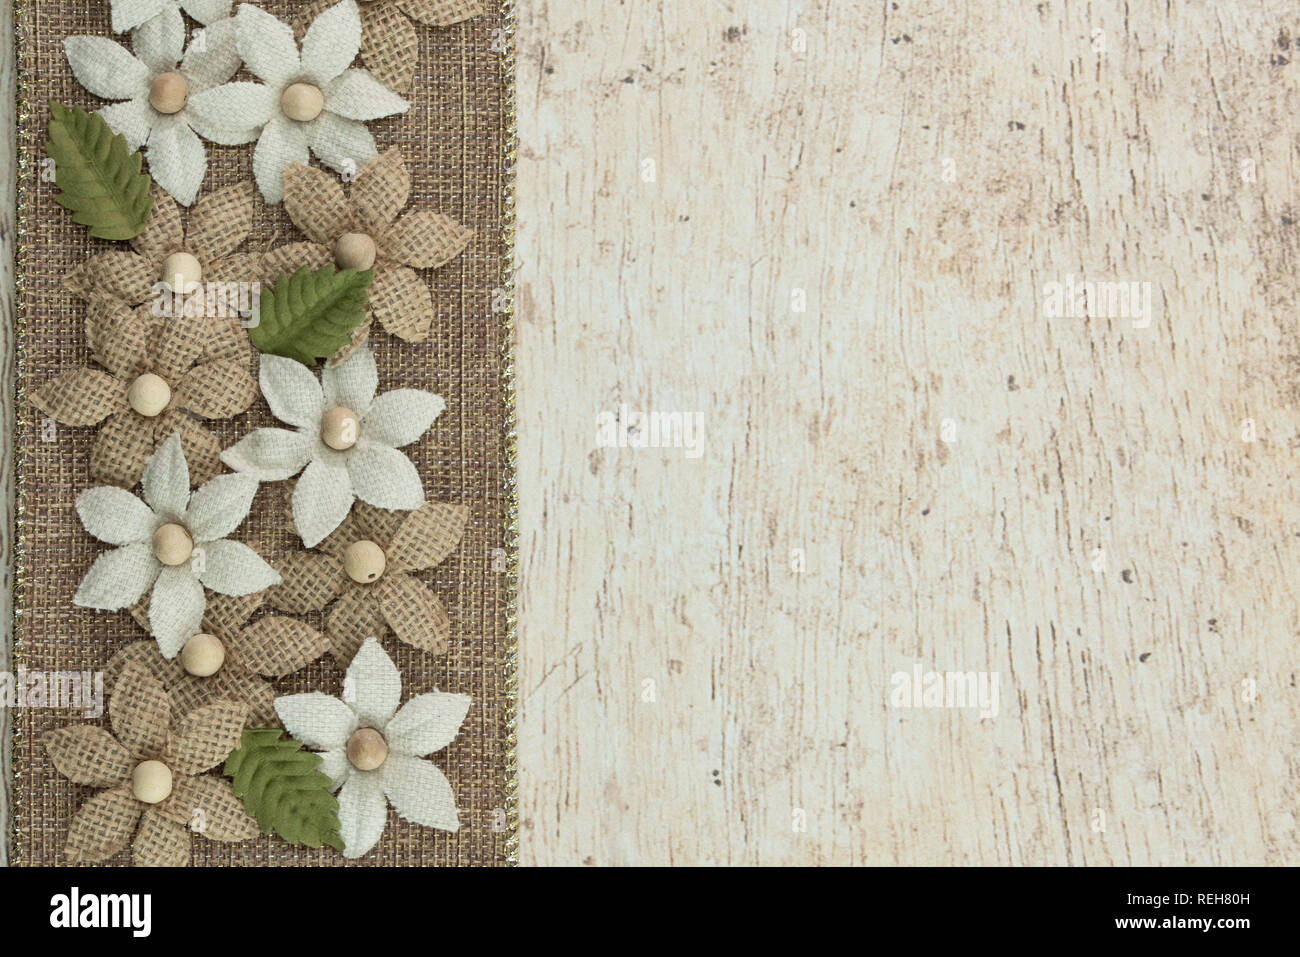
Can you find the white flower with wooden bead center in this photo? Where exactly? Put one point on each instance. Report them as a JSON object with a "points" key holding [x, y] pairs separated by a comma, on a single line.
{"points": [[173, 544]]}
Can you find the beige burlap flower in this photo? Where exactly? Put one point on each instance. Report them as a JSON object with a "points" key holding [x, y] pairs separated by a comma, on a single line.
{"points": [[368, 230], [389, 45], [227, 659], [199, 264], [157, 374], [151, 768], [367, 564]]}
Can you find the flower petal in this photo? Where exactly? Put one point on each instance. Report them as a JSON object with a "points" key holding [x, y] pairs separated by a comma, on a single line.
{"points": [[207, 11], [106, 69], [217, 507], [332, 42], [308, 582], [177, 159], [425, 240], [233, 568], [314, 201], [381, 190], [225, 113], [277, 646], [389, 45], [176, 609], [343, 145], [118, 578], [231, 683], [292, 392], [205, 737], [356, 95], [123, 445], [353, 618], [402, 303], [400, 417], [163, 233], [83, 396], [132, 118], [427, 723], [321, 500], [317, 719], [142, 654], [202, 452], [159, 42], [270, 455], [166, 480], [160, 842], [282, 142], [220, 222], [102, 826], [267, 46], [385, 478], [128, 14], [352, 383], [115, 516], [216, 390], [213, 56], [207, 805], [85, 754], [139, 712], [372, 685], [414, 613], [428, 535], [420, 792], [441, 13], [124, 277], [288, 259], [335, 765], [363, 812]]}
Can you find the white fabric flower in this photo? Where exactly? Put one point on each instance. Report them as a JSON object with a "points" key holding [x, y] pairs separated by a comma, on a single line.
{"points": [[161, 72], [129, 14], [311, 102], [169, 515], [372, 690], [370, 468]]}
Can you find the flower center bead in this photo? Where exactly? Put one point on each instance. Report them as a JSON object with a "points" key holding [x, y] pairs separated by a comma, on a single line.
{"points": [[364, 562], [172, 544], [179, 270], [339, 428], [354, 251], [168, 92], [151, 782], [302, 101], [203, 655], [149, 395], [367, 749]]}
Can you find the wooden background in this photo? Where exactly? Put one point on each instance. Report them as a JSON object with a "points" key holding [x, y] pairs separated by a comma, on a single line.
{"points": [[826, 226]]}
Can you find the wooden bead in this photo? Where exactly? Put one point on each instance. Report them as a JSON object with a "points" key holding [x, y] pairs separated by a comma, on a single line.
{"points": [[339, 428], [302, 101], [203, 655], [367, 749], [364, 562], [168, 92], [172, 544], [180, 270], [354, 251], [151, 782], [149, 394]]}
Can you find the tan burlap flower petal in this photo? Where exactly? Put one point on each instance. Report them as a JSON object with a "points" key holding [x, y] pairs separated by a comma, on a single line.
{"points": [[288, 259], [221, 220], [118, 336], [232, 683], [377, 525], [202, 449], [225, 615], [441, 13], [413, 612], [237, 267], [217, 390], [277, 646], [401, 303], [163, 233], [389, 44], [314, 201], [309, 582], [81, 397], [140, 713], [160, 842], [124, 442], [205, 737], [424, 239], [181, 343], [86, 754], [352, 619], [207, 806], [102, 826], [123, 275], [427, 536], [380, 192], [143, 654], [228, 339]]}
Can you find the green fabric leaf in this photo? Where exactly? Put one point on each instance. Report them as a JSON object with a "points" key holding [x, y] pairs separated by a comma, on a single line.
{"points": [[311, 315], [98, 177], [282, 787]]}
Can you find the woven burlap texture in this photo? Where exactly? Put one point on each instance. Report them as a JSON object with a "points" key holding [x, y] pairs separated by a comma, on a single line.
{"points": [[453, 141], [390, 41], [144, 730], [417, 789]]}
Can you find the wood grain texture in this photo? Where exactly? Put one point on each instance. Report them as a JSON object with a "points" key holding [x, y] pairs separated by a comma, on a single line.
{"points": [[922, 467], [7, 374]]}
